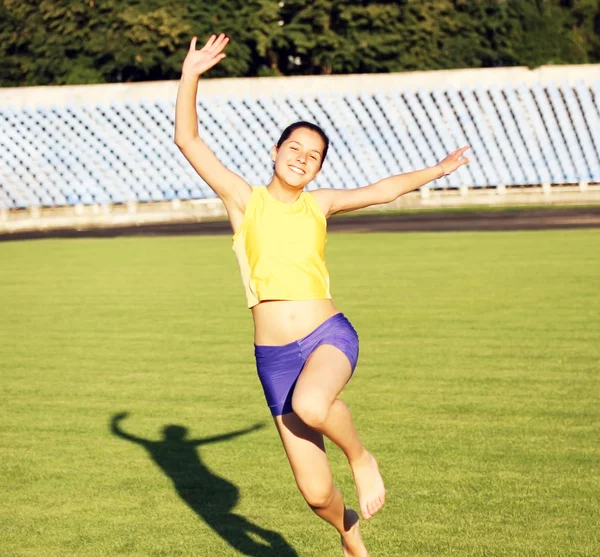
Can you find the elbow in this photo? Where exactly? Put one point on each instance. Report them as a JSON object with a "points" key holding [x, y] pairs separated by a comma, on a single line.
{"points": [[182, 141], [183, 136], [386, 195], [390, 197], [397, 195], [179, 141]]}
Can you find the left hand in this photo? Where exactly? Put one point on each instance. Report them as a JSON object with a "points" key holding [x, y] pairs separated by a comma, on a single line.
{"points": [[454, 161], [200, 61]]}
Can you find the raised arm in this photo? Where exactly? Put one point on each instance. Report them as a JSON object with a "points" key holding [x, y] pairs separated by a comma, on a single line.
{"points": [[115, 428], [231, 188], [334, 201]]}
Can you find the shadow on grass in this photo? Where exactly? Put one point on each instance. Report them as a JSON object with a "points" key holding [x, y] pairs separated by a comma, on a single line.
{"points": [[210, 496]]}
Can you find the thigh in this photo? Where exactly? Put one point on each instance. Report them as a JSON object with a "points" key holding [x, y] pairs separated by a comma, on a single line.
{"points": [[324, 375], [278, 369], [305, 450]]}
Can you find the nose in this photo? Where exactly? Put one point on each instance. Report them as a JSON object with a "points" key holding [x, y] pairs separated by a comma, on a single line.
{"points": [[301, 157]]}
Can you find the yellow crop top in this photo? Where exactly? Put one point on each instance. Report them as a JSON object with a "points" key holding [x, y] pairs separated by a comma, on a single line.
{"points": [[280, 248]]}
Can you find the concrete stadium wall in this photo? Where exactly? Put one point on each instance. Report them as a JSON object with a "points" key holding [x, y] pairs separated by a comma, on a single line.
{"points": [[82, 217]]}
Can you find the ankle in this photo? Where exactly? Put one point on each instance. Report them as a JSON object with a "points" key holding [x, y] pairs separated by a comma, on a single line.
{"points": [[360, 457]]}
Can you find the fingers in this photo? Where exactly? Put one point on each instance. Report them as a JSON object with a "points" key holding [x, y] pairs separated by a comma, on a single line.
{"points": [[454, 161], [216, 44], [193, 43], [458, 152], [210, 41], [220, 43], [455, 165], [213, 62]]}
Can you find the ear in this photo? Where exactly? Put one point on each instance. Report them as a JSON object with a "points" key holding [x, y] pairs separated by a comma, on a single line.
{"points": [[274, 153]]}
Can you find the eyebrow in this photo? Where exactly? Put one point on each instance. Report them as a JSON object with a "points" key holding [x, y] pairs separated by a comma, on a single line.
{"points": [[312, 150]]}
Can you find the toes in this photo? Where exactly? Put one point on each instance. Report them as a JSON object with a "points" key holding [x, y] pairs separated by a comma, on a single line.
{"points": [[376, 505]]}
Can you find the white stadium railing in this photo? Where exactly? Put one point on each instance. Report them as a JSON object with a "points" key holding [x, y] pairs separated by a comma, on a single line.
{"points": [[114, 144]]}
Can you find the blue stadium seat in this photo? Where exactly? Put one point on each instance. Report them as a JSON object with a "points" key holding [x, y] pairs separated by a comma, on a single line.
{"points": [[585, 134], [567, 133], [123, 150], [556, 140]]}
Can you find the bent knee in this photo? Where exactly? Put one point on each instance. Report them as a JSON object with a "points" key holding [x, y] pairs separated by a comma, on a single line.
{"points": [[312, 411], [318, 498]]}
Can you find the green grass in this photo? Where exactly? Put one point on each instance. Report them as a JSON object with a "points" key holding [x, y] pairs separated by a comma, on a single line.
{"points": [[477, 388], [539, 208]]}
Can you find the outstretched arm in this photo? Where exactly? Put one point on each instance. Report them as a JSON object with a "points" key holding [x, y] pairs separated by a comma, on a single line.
{"points": [[334, 201], [226, 436], [115, 428], [231, 188]]}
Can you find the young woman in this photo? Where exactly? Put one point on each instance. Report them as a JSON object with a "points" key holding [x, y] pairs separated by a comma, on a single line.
{"points": [[306, 350]]}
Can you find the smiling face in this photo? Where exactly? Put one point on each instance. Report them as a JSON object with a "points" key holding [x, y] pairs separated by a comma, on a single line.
{"points": [[298, 159]]}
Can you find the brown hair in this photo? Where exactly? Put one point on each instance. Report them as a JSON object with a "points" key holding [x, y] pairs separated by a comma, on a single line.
{"points": [[310, 126]]}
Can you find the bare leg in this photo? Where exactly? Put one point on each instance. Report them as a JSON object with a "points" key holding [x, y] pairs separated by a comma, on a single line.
{"points": [[306, 453], [315, 401]]}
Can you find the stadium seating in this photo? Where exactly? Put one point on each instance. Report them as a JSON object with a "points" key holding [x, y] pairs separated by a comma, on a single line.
{"points": [[121, 151]]}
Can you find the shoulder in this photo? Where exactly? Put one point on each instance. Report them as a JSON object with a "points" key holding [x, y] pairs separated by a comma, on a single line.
{"points": [[256, 193], [323, 198]]}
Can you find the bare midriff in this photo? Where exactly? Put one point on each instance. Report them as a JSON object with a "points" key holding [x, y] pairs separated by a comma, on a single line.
{"points": [[279, 322]]}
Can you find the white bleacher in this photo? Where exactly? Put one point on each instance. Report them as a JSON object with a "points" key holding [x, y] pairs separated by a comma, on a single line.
{"points": [[114, 144]]}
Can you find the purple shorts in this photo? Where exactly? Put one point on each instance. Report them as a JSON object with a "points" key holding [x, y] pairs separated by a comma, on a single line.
{"points": [[279, 366]]}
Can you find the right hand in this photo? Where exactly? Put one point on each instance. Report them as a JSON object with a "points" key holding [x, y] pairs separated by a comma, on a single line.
{"points": [[197, 62]]}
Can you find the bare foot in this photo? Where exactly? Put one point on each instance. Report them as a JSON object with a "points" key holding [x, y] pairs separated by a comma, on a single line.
{"points": [[369, 484], [352, 543]]}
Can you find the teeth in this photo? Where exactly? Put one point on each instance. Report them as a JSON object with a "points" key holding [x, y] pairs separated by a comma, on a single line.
{"points": [[296, 170]]}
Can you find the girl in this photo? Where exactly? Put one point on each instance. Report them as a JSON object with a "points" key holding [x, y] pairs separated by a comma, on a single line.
{"points": [[306, 350]]}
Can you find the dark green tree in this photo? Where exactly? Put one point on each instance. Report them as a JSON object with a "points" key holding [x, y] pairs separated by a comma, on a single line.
{"points": [[70, 41], [253, 26], [94, 41], [549, 32]]}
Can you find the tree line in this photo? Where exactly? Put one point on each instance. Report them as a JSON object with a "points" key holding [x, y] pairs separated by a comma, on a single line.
{"points": [[54, 42]]}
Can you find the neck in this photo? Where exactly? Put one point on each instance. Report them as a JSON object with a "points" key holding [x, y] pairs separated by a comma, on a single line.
{"points": [[283, 192]]}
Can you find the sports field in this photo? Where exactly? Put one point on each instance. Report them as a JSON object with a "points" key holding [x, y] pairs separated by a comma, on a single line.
{"points": [[478, 388]]}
